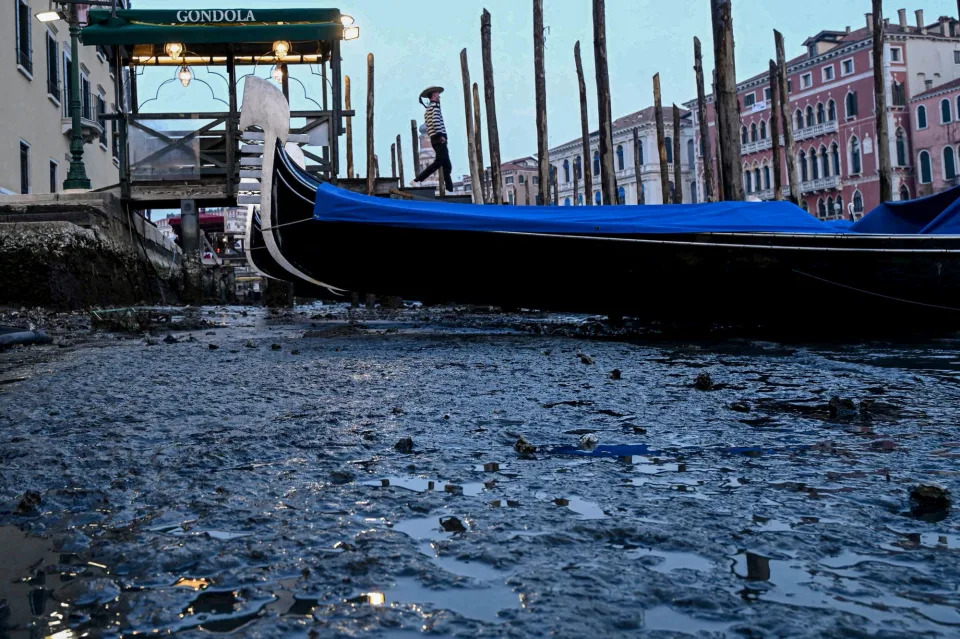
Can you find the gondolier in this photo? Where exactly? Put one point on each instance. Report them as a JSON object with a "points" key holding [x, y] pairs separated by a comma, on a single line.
{"points": [[438, 137]]}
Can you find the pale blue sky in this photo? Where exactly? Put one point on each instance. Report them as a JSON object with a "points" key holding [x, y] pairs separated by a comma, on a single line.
{"points": [[417, 44]]}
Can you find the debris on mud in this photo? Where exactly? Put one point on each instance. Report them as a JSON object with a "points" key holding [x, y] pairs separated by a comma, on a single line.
{"points": [[929, 502], [147, 320], [585, 359], [524, 447], [704, 382], [841, 408], [29, 502], [615, 374], [588, 441], [405, 445], [452, 524]]}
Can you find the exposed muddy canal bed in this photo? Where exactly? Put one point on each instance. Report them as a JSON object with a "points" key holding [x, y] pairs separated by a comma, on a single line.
{"points": [[254, 477]]}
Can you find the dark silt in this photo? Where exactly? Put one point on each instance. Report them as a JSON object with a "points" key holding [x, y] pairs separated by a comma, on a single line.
{"points": [[153, 485]]}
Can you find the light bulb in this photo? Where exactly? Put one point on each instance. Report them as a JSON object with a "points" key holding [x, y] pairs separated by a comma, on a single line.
{"points": [[185, 75], [346, 20], [281, 48], [173, 49], [351, 33]]}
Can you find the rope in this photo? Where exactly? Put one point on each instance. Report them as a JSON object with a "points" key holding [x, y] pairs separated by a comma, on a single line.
{"points": [[880, 295]]}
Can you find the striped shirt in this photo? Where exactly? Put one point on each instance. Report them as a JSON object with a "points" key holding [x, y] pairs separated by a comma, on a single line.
{"points": [[434, 119]]}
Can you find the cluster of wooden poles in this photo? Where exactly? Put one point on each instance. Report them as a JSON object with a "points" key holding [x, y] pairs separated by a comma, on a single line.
{"points": [[728, 183]]}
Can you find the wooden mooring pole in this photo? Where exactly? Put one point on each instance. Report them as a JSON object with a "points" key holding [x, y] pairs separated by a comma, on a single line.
{"points": [[415, 147], [576, 185], [489, 95], [706, 159], [728, 108], [587, 162], [721, 196], [371, 159], [347, 106], [775, 129], [789, 153], [637, 164], [478, 144], [880, 106], [540, 89], [607, 178], [661, 142], [471, 138], [400, 162], [677, 160], [393, 161]]}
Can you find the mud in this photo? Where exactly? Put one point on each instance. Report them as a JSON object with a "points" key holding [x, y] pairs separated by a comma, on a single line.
{"points": [[175, 488]]}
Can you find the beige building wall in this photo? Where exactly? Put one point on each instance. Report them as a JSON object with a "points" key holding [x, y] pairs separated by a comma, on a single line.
{"points": [[32, 112]]}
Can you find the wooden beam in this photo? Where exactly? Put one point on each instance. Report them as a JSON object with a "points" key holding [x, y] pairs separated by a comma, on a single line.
{"points": [[540, 89], [661, 142], [478, 144], [393, 160], [637, 164], [587, 162], [348, 106], [880, 106], [677, 159], [607, 177], [371, 158], [415, 147], [489, 95], [706, 159], [471, 138], [789, 152], [726, 98], [400, 162], [775, 129]]}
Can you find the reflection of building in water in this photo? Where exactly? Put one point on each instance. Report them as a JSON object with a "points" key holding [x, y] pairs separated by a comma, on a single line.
{"points": [[426, 158]]}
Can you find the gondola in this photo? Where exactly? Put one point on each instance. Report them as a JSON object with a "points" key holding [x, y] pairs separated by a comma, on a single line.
{"points": [[733, 262]]}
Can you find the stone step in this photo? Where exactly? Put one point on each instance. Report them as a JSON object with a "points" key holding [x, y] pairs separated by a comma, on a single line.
{"points": [[251, 173]]}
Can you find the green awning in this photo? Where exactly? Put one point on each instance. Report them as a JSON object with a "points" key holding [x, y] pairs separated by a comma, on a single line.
{"points": [[210, 26]]}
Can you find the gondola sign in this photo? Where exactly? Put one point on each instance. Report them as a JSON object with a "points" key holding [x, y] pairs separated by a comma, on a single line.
{"points": [[208, 16]]}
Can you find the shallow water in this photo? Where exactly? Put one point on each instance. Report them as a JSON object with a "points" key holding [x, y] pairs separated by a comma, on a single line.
{"points": [[258, 491]]}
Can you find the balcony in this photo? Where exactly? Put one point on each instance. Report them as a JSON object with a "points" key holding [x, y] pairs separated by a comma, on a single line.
{"points": [[756, 147], [91, 128], [815, 131], [820, 184]]}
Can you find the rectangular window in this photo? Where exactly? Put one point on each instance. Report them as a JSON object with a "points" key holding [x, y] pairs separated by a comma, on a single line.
{"points": [[509, 179], [827, 73], [520, 179], [54, 176], [67, 87], [846, 67], [789, 86], [896, 54], [115, 138], [24, 44], [536, 180], [956, 57], [749, 99], [86, 104], [767, 94], [806, 80], [102, 111], [24, 168], [53, 68]]}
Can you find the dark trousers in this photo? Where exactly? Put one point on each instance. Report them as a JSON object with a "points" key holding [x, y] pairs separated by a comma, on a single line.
{"points": [[442, 161]]}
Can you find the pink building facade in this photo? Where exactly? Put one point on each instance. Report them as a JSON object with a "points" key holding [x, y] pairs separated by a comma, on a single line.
{"points": [[832, 115], [936, 138]]}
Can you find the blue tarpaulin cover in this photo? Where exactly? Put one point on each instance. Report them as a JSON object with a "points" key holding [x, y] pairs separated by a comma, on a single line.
{"points": [[934, 215]]}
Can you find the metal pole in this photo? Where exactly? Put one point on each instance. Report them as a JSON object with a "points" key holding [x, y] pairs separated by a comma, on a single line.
{"points": [[77, 175]]}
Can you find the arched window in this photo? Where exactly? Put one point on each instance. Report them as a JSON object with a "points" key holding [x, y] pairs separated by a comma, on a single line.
{"points": [[766, 178], [852, 104], [838, 207], [921, 117], [799, 119], [949, 163], [832, 111], [814, 165], [899, 96], [640, 149], [821, 208], [821, 114], [810, 117], [748, 181], [596, 197], [858, 202], [904, 193], [596, 165], [824, 161], [805, 206], [763, 129], [901, 147], [580, 200], [619, 157], [566, 170], [829, 206], [946, 111], [926, 174], [566, 201], [753, 132], [744, 136], [693, 192], [835, 152], [669, 142], [756, 179], [578, 168], [804, 172], [621, 196], [855, 163], [691, 153]]}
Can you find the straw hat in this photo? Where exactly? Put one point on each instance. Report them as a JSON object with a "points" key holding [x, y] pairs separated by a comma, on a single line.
{"points": [[426, 93]]}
